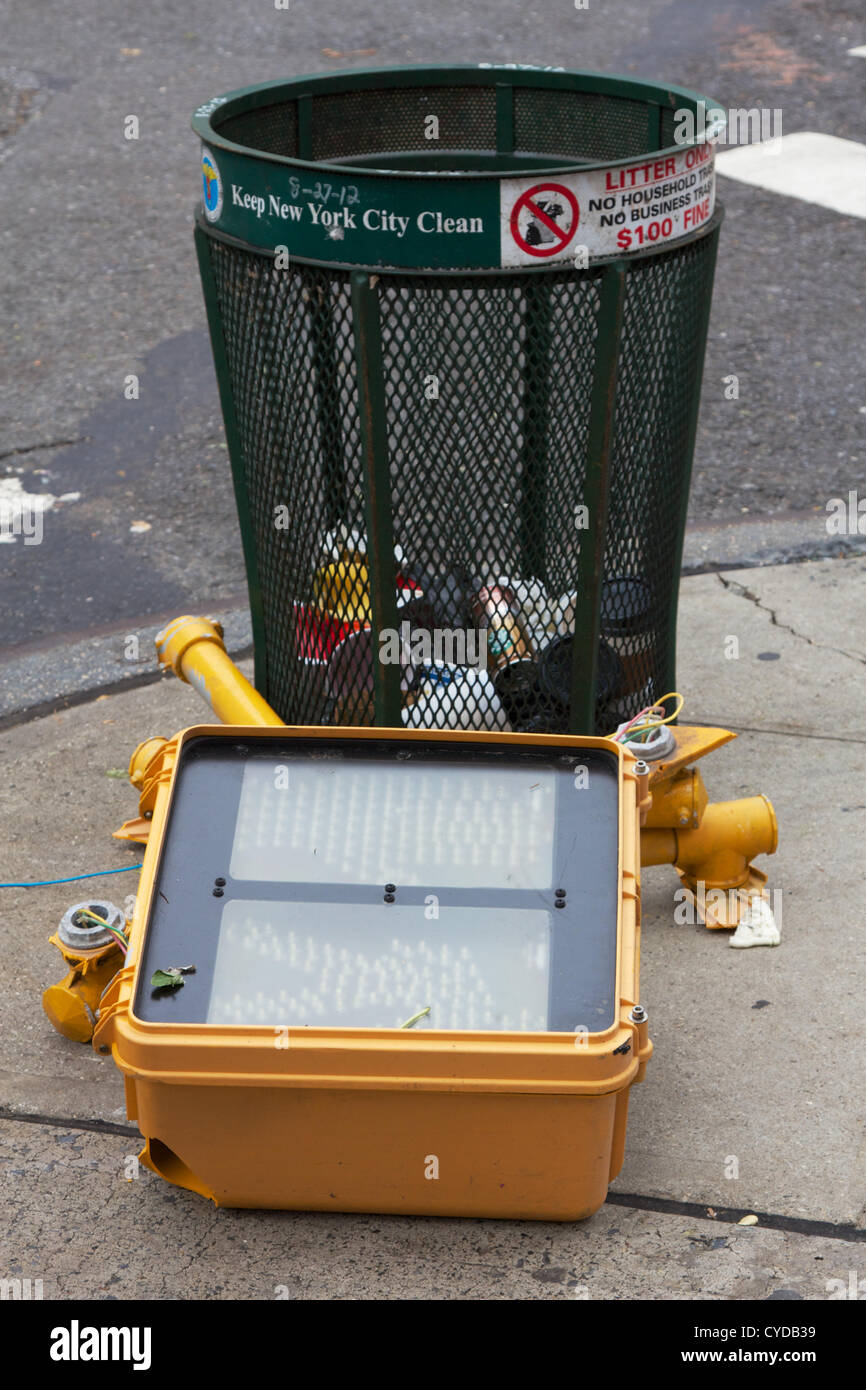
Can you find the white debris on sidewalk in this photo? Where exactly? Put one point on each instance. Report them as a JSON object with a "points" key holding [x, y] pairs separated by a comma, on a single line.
{"points": [[757, 926]]}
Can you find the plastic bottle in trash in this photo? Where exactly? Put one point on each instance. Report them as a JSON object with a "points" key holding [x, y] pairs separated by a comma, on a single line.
{"points": [[454, 697], [496, 609], [542, 617]]}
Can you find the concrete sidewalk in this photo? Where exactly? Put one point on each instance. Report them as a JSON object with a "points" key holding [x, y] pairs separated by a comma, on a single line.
{"points": [[758, 1054]]}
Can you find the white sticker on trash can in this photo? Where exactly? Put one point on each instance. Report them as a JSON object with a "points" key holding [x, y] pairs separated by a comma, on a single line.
{"points": [[543, 220], [605, 212]]}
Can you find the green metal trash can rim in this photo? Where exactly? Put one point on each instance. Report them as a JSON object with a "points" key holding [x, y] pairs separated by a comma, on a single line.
{"points": [[321, 166], [241, 100]]}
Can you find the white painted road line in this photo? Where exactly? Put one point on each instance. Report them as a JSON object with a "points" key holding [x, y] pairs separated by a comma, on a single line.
{"points": [[858, 52], [818, 168]]}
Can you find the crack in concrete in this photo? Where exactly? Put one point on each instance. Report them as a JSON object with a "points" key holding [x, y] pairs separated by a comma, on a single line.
{"points": [[49, 444], [742, 592]]}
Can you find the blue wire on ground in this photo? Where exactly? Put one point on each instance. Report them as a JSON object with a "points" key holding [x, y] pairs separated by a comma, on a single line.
{"points": [[49, 882]]}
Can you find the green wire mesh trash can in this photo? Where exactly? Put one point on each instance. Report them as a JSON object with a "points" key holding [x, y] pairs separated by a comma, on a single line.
{"points": [[458, 316]]}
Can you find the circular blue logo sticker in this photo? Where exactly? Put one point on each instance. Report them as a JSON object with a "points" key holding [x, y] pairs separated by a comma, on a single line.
{"points": [[212, 188]]}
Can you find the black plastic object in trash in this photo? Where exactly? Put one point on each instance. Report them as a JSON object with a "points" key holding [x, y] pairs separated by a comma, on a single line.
{"points": [[555, 673]]}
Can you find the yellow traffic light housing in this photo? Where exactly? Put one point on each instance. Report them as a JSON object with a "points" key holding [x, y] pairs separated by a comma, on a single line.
{"points": [[410, 968]]}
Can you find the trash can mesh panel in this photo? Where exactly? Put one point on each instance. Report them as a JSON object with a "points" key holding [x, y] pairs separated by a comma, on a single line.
{"points": [[355, 123], [272, 129], [581, 125], [658, 385], [471, 400], [487, 399], [478, 400], [290, 359]]}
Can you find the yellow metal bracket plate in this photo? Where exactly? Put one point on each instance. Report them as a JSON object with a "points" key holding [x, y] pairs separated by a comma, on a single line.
{"points": [[693, 742]]}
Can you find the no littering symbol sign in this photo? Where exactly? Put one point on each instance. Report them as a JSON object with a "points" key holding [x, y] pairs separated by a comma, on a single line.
{"points": [[544, 219]]}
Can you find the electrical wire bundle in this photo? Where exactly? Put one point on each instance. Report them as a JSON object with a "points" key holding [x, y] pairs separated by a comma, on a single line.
{"points": [[120, 937], [641, 728]]}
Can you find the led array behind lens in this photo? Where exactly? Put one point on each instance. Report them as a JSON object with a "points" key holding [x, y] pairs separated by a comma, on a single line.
{"points": [[341, 822], [277, 965]]}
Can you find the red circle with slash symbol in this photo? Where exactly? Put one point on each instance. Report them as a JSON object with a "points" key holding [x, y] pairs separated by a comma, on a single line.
{"points": [[533, 200]]}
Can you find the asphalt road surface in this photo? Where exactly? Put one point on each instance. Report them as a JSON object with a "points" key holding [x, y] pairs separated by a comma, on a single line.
{"points": [[98, 276]]}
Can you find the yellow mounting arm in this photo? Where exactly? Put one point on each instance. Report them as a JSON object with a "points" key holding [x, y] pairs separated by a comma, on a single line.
{"points": [[194, 649]]}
